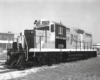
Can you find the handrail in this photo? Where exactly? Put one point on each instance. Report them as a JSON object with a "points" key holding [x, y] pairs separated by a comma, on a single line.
{"points": [[18, 43], [41, 40], [27, 47], [41, 36], [38, 42]]}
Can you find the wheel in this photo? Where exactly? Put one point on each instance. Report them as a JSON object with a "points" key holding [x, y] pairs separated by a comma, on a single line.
{"points": [[49, 60], [64, 57], [20, 67], [83, 56]]}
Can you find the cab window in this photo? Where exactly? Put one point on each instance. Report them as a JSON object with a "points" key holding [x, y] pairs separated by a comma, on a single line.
{"points": [[60, 30]]}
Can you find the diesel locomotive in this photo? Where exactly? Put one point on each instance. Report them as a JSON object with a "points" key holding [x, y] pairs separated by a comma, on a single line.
{"points": [[49, 42]]}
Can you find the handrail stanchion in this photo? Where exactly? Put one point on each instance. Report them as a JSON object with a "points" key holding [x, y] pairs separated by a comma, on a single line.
{"points": [[40, 43], [87, 46], [90, 46], [84, 45], [76, 44], [66, 41], [27, 48], [93, 46], [80, 44], [35, 45]]}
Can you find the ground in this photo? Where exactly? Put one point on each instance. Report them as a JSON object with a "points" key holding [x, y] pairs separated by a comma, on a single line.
{"points": [[76, 70]]}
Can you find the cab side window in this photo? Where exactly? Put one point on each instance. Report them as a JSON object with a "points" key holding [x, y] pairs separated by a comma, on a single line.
{"points": [[60, 30]]}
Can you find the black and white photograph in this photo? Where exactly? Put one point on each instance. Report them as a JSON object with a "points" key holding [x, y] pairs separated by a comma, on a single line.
{"points": [[49, 39]]}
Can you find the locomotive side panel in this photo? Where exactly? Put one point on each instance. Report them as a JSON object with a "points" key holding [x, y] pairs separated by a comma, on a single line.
{"points": [[78, 39], [68, 41], [88, 40], [44, 39], [72, 38]]}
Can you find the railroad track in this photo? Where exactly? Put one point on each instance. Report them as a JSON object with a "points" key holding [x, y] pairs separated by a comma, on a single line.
{"points": [[6, 74], [3, 69], [14, 73]]}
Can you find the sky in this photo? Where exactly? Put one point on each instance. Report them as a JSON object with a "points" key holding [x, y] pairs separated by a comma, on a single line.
{"points": [[16, 15]]}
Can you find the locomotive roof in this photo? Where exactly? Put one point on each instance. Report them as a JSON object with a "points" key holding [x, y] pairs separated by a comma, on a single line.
{"points": [[75, 28], [70, 28], [78, 30], [59, 24], [88, 34]]}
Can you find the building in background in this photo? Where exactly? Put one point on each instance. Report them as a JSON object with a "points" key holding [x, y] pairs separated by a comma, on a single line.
{"points": [[6, 40], [97, 46]]}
